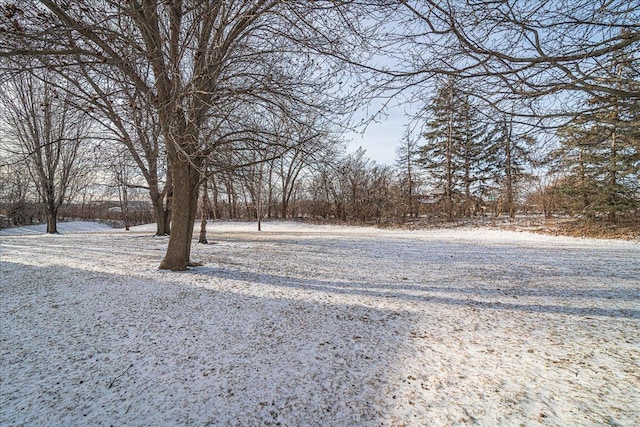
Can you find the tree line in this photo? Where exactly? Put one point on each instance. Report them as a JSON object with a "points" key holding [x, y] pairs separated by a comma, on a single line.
{"points": [[239, 106]]}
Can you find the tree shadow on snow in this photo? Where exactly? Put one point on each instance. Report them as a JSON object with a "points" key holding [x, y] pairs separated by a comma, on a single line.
{"points": [[473, 297], [88, 347]]}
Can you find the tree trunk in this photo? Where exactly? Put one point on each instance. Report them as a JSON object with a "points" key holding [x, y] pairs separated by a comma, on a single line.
{"points": [[125, 207], [613, 180], [412, 210], [205, 213], [162, 210], [185, 195], [51, 209], [217, 214], [166, 213], [168, 201], [229, 204], [467, 187], [158, 209], [270, 192], [193, 208], [449, 160], [52, 222]]}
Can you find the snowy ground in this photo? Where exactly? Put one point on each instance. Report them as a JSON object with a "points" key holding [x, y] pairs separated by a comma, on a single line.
{"points": [[320, 325]]}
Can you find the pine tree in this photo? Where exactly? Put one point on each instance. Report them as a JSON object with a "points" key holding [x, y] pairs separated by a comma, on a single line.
{"points": [[439, 155], [474, 163], [600, 154], [453, 153], [576, 158], [510, 155]]}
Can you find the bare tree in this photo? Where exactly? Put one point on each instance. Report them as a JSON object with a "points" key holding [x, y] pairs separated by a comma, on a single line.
{"points": [[201, 54], [48, 132], [15, 188], [353, 188], [129, 118], [122, 176], [527, 49], [204, 208], [310, 140], [406, 162]]}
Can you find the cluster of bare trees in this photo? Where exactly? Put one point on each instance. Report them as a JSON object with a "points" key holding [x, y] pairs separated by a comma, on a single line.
{"points": [[47, 132], [17, 208], [335, 186], [206, 79], [248, 98]]}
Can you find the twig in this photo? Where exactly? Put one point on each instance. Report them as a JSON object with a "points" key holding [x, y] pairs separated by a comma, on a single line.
{"points": [[114, 380]]}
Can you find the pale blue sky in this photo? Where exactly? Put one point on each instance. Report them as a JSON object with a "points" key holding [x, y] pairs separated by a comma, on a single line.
{"points": [[381, 137]]}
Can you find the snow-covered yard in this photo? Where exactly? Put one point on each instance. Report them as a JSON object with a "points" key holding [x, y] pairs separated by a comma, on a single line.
{"points": [[320, 326]]}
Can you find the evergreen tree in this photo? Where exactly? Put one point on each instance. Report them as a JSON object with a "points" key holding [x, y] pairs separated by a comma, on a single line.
{"points": [[510, 155], [439, 154], [578, 187], [600, 154], [453, 152], [474, 162]]}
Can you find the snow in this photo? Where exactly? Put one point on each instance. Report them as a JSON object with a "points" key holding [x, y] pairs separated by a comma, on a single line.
{"points": [[320, 325], [63, 227]]}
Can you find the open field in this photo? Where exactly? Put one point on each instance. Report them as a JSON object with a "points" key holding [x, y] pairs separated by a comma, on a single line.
{"points": [[320, 325]]}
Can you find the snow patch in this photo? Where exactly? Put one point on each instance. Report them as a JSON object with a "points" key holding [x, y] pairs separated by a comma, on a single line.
{"points": [[63, 228], [320, 325]]}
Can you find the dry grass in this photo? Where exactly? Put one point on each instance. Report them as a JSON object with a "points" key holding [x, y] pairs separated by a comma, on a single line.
{"points": [[625, 229]]}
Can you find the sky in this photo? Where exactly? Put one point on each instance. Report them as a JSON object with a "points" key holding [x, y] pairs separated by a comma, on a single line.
{"points": [[382, 137]]}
